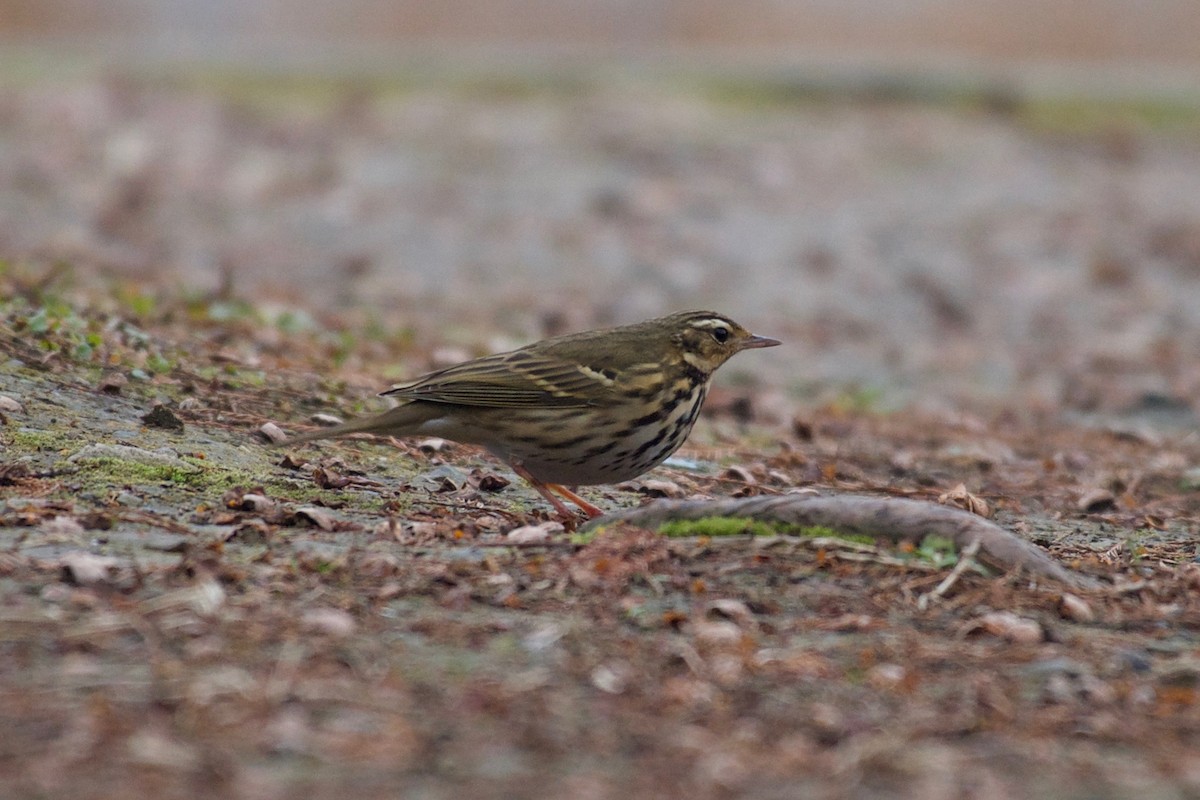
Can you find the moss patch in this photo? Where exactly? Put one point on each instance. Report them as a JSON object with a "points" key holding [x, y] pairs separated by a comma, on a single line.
{"points": [[740, 526]]}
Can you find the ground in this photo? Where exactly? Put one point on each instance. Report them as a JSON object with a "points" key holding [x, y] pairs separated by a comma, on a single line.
{"points": [[185, 611]]}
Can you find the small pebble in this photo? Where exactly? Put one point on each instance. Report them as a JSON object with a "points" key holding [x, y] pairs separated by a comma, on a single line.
{"points": [[273, 432], [1075, 608]]}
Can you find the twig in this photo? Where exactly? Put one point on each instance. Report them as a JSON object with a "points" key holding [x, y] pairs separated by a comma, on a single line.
{"points": [[887, 518], [965, 559]]}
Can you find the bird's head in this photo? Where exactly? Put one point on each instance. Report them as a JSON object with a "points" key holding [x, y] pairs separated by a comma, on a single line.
{"points": [[706, 339]]}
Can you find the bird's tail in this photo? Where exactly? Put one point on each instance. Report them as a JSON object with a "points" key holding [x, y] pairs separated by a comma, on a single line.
{"points": [[403, 420]]}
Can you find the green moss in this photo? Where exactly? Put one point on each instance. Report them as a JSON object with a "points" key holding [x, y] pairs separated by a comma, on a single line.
{"points": [[716, 526], [1076, 115], [123, 471], [739, 526], [937, 550], [25, 440]]}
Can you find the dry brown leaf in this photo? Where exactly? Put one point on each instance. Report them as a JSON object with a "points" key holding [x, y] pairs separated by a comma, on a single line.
{"points": [[1008, 625], [62, 527], [485, 480], [251, 532], [534, 534], [256, 502], [88, 569], [612, 678], [738, 473], [654, 487], [162, 417], [734, 610], [961, 498], [1075, 608], [11, 473], [1096, 500], [318, 516]]}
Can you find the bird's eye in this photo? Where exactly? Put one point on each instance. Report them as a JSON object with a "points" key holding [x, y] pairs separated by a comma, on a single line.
{"points": [[721, 334]]}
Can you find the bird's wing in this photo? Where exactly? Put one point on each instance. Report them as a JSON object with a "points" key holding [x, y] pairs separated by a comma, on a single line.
{"points": [[519, 379]]}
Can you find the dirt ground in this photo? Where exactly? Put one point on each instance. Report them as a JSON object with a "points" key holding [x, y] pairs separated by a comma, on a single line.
{"points": [[1002, 295]]}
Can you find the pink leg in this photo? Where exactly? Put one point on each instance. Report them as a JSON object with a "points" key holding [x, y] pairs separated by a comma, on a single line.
{"points": [[587, 507], [547, 490]]}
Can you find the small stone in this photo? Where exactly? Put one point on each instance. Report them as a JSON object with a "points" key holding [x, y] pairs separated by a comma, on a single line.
{"points": [[331, 621], [717, 634], [113, 383], [10, 405], [611, 678], [273, 433], [886, 676]]}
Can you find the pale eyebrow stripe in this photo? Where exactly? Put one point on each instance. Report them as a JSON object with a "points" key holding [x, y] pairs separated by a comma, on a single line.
{"points": [[711, 322]]}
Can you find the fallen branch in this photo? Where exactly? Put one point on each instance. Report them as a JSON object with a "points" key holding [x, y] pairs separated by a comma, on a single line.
{"points": [[890, 518]]}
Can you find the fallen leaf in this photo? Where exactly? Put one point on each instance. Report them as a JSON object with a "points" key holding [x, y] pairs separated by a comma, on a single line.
{"points": [[155, 749], [256, 502], [486, 480], [716, 634], [332, 621], [612, 678], [886, 676], [1008, 625], [290, 462], [318, 516], [251, 532], [1075, 608], [730, 609], [11, 473], [87, 569], [961, 498], [62, 526], [1096, 500], [654, 487], [534, 534], [443, 479], [328, 479], [162, 417], [737, 473]]}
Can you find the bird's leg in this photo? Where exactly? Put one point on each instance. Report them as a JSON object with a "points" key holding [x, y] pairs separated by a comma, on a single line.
{"points": [[587, 507], [547, 490]]}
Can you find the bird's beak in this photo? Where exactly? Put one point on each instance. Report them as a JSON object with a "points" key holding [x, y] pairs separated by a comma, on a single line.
{"points": [[759, 341]]}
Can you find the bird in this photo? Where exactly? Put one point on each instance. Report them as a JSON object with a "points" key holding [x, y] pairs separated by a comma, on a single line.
{"points": [[594, 407]]}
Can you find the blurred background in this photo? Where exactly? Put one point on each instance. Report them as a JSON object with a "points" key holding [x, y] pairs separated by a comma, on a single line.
{"points": [[928, 200]]}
